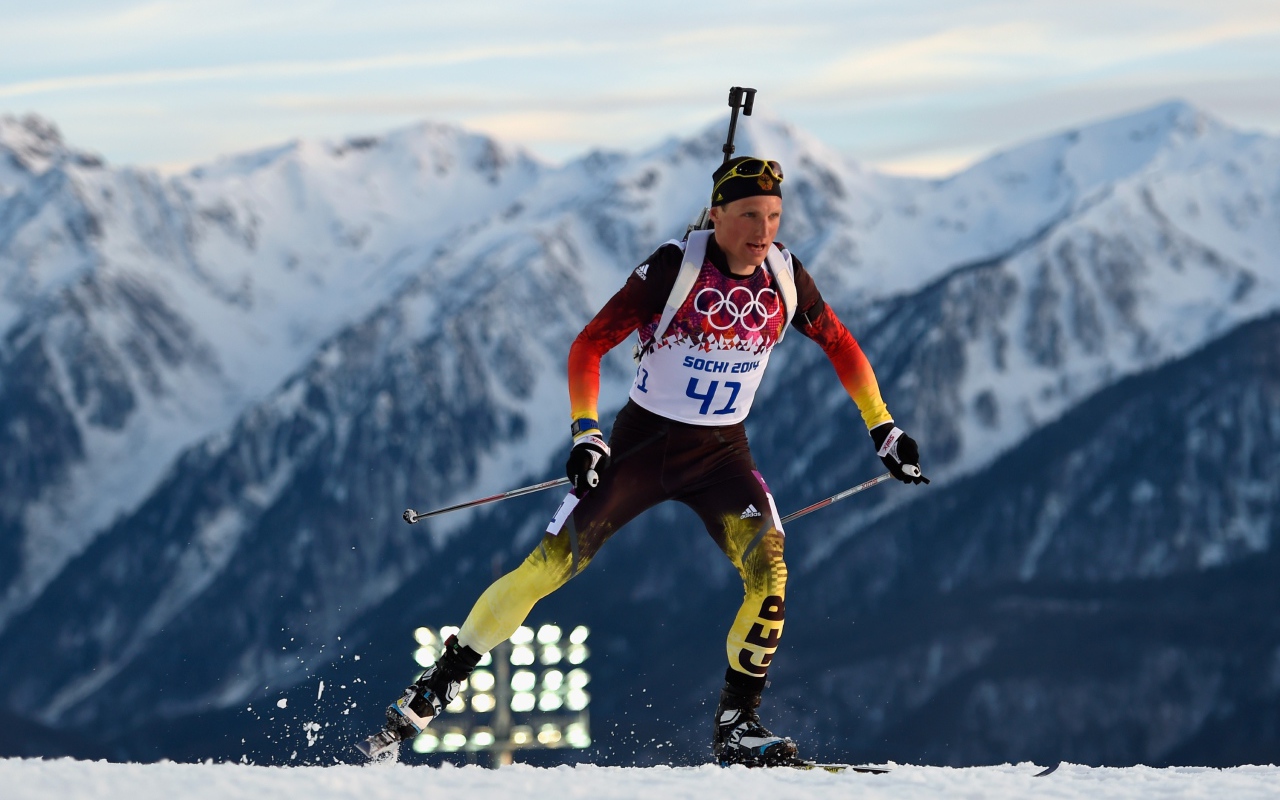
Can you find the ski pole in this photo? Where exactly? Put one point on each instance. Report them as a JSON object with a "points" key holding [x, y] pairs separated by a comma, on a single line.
{"points": [[835, 498], [411, 516]]}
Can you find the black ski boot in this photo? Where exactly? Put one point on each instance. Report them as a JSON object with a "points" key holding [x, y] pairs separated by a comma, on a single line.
{"points": [[741, 739], [426, 698]]}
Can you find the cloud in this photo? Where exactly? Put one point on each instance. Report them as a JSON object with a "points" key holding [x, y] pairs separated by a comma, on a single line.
{"points": [[1021, 51], [291, 69]]}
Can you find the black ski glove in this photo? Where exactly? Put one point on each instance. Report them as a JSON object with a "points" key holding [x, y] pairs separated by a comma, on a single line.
{"points": [[899, 452], [588, 458]]}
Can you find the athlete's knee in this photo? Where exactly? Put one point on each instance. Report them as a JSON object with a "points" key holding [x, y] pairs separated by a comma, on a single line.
{"points": [[552, 563], [765, 566]]}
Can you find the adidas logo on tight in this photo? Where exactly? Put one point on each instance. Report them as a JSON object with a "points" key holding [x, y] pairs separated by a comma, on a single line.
{"points": [[750, 512], [643, 272]]}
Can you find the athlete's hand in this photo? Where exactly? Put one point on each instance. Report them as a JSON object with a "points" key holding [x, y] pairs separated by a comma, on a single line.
{"points": [[899, 452], [587, 460]]}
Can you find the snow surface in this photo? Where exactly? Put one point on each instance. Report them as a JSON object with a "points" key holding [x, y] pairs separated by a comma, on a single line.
{"points": [[67, 779]]}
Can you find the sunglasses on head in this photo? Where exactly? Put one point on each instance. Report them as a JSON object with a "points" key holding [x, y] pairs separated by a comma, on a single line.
{"points": [[750, 168]]}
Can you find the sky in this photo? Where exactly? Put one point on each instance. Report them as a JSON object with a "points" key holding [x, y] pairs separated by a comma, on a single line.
{"points": [[911, 86]]}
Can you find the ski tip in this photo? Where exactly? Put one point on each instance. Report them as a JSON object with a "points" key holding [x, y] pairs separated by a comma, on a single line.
{"points": [[1047, 770]]}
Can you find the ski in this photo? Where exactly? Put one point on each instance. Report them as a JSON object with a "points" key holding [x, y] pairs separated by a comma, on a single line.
{"points": [[871, 769]]}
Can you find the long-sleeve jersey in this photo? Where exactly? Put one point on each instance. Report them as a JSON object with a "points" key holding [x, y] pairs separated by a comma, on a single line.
{"points": [[719, 341]]}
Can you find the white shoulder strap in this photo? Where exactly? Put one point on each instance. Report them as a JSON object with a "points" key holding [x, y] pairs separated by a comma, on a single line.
{"points": [[779, 262], [695, 252]]}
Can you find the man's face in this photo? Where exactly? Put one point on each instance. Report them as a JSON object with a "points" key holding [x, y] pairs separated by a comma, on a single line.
{"points": [[745, 228]]}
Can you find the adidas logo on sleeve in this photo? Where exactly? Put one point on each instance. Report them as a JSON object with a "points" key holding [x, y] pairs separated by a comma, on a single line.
{"points": [[643, 272], [750, 512]]}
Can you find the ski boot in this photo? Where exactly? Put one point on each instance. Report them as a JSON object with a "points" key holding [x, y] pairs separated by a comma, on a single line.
{"points": [[424, 700], [741, 739]]}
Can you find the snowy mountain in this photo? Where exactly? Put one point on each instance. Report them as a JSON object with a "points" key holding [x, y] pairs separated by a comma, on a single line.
{"points": [[218, 391], [141, 316]]}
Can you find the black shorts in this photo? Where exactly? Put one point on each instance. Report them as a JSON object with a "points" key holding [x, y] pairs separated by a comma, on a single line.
{"points": [[708, 468]]}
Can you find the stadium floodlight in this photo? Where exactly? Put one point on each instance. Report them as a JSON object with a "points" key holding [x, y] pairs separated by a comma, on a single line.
{"points": [[524, 681], [576, 699], [523, 695], [576, 735], [426, 742], [523, 701], [521, 735], [522, 655], [482, 680], [424, 656], [549, 734]]}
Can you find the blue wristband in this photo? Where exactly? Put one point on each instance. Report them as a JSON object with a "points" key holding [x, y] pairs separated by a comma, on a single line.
{"points": [[583, 425]]}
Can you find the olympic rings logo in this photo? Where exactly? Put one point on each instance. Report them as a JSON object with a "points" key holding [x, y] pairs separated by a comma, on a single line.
{"points": [[739, 309]]}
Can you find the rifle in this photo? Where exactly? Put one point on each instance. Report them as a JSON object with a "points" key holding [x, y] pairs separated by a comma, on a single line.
{"points": [[739, 99]]}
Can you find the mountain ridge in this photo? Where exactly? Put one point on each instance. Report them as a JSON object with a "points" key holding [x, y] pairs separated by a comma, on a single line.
{"points": [[974, 356]]}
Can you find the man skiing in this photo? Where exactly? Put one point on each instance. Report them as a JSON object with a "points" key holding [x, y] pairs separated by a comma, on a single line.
{"points": [[709, 311]]}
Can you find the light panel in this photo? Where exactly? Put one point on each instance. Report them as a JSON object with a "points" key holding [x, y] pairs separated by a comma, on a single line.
{"points": [[576, 699], [549, 734], [576, 735], [482, 680], [426, 742], [524, 681], [552, 680], [523, 701], [577, 678], [522, 655], [521, 734]]}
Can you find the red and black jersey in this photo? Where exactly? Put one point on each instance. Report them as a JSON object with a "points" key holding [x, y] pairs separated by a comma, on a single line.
{"points": [[709, 361]]}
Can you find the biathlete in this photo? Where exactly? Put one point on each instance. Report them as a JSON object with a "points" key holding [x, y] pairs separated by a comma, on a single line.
{"points": [[709, 312]]}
